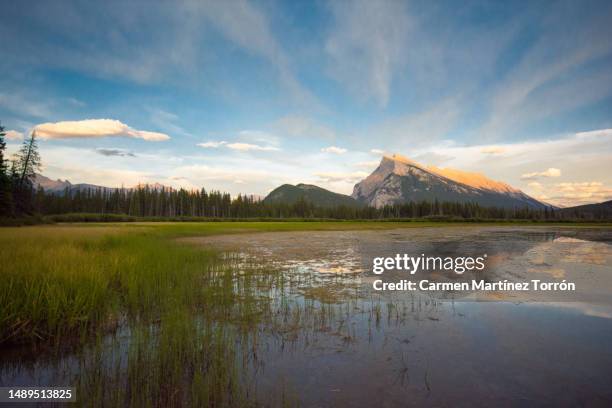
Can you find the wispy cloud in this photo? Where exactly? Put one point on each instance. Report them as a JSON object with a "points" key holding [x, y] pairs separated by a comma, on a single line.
{"points": [[245, 24], [600, 133], [535, 185], [13, 135], [366, 46], [494, 150], [167, 121], [245, 147], [351, 177], [303, 127], [367, 164], [238, 146], [419, 127], [212, 144], [94, 128], [258, 137], [550, 172], [334, 150], [545, 81], [24, 104]]}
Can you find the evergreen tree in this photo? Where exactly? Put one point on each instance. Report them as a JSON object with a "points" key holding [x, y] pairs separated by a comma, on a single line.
{"points": [[6, 196], [28, 161], [3, 169], [23, 175]]}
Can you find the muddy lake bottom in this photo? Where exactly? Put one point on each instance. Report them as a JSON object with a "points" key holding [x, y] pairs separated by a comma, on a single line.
{"points": [[330, 340]]}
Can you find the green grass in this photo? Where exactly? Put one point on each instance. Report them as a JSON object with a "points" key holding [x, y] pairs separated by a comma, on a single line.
{"points": [[124, 218], [183, 306]]}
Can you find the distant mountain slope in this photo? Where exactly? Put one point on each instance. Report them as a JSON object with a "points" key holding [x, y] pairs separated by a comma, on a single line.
{"points": [[51, 185], [398, 180], [320, 197], [588, 211], [59, 186]]}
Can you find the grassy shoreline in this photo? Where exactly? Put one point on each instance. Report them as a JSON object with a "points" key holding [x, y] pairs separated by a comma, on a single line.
{"points": [[62, 277], [123, 218]]}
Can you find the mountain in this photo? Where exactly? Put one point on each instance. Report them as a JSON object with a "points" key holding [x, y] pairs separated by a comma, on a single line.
{"points": [[588, 211], [51, 185], [398, 180], [59, 186], [320, 197]]}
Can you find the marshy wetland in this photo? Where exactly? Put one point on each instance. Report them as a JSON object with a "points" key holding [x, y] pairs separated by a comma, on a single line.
{"points": [[283, 314]]}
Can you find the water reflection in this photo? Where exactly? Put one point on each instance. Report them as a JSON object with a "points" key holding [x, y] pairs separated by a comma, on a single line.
{"points": [[417, 348], [577, 255]]}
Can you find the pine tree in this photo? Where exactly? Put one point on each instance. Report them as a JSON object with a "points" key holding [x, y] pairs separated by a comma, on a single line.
{"points": [[3, 169], [6, 198], [28, 161], [23, 175]]}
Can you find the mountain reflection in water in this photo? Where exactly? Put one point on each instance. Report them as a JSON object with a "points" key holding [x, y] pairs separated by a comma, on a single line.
{"points": [[408, 348]]}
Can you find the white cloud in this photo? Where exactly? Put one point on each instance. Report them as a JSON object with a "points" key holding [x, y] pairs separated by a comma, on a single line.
{"points": [[212, 144], [550, 172], [331, 177], [94, 128], [13, 135], [493, 150], [595, 133], [377, 151], [535, 185], [245, 147], [258, 137], [334, 150], [367, 164]]}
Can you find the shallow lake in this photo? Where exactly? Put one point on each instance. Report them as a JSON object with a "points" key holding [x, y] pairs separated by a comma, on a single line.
{"points": [[449, 349], [337, 342]]}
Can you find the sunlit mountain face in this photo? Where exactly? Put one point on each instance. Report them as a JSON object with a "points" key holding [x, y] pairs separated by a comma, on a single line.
{"points": [[398, 179]]}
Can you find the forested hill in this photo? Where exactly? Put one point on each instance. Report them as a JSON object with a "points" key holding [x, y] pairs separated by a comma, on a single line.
{"points": [[595, 211], [320, 197]]}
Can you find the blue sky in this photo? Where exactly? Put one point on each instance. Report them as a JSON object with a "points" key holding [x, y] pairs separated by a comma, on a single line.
{"points": [[249, 95]]}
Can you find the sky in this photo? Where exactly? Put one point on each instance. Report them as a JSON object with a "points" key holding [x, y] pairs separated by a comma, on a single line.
{"points": [[242, 96]]}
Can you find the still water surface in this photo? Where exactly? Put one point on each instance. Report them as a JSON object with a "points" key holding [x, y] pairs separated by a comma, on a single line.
{"points": [[445, 349]]}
